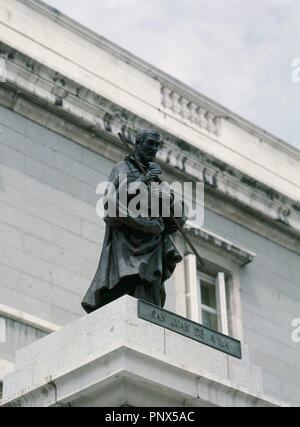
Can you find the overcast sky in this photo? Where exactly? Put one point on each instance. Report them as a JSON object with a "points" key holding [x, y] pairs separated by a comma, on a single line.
{"points": [[236, 52]]}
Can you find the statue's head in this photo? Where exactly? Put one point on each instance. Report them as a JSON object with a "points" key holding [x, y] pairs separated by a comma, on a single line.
{"points": [[147, 144]]}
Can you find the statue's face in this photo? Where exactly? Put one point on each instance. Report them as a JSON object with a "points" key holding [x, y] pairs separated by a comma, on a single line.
{"points": [[148, 149]]}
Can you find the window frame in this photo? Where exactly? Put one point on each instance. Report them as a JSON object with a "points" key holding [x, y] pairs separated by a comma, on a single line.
{"points": [[193, 294], [219, 255], [221, 299]]}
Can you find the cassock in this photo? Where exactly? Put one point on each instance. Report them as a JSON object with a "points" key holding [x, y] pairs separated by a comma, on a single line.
{"points": [[138, 254]]}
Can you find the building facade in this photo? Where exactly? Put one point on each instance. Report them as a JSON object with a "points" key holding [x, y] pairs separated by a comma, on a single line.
{"points": [[65, 93]]}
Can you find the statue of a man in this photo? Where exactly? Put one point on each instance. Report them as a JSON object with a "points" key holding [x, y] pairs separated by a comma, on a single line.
{"points": [[138, 255]]}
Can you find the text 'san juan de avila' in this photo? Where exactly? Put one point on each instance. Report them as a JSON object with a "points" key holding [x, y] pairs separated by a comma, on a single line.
{"points": [[184, 327]]}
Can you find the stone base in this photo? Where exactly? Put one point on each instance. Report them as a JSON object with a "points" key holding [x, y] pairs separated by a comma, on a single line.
{"points": [[113, 358]]}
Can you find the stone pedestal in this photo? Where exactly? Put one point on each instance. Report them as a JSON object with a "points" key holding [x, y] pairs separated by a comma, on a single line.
{"points": [[113, 358]]}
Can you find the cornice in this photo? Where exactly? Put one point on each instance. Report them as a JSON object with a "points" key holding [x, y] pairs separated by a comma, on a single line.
{"points": [[29, 80], [166, 80], [240, 255], [28, 319]]}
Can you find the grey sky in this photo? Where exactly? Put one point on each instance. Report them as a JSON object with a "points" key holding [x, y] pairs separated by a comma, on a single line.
{"points": [[236, 52]]}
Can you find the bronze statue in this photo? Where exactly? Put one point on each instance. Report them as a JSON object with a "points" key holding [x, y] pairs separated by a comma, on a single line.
{"points": [[138, 254]]}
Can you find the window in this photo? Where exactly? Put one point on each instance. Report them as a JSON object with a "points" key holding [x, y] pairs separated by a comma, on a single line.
{"points": [[213, 306], [221, 271], [208, 302], [206, 297]]}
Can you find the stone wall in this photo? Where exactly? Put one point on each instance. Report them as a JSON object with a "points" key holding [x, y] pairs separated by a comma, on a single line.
{"points": [[270, 292], [51, 241], [49, 230]]}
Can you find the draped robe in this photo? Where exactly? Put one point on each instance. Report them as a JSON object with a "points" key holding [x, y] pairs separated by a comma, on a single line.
{"points": [[138, 254]]}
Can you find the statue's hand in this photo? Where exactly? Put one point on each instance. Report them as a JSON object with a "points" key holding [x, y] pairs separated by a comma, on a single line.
{"points": [[152, 174]]}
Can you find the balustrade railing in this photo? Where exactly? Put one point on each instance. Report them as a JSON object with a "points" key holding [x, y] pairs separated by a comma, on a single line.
{"points": [[190, 111]]}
